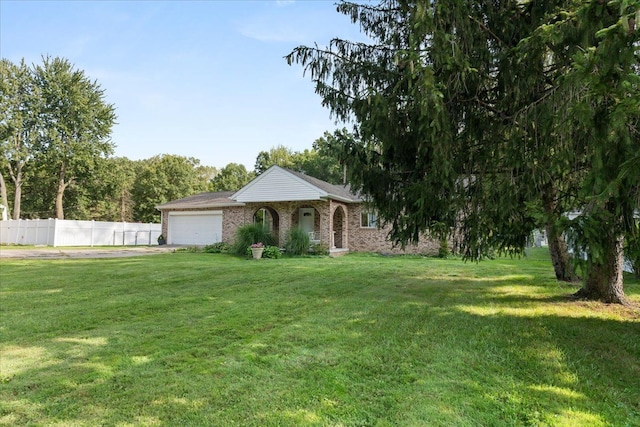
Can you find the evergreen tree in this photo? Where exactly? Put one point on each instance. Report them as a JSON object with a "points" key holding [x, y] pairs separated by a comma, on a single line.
{"points": [[493, 119]]}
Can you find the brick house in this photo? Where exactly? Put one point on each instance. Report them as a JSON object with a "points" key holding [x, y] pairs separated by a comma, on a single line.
{"points": [[282, 199]]}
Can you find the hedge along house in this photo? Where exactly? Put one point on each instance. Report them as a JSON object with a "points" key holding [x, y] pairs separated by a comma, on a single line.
{"points": [[282, 199]]}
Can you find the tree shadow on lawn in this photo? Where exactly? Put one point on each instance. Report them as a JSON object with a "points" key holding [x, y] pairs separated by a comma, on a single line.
{"points": [[442, 351], [511, 368], [470, 369]]}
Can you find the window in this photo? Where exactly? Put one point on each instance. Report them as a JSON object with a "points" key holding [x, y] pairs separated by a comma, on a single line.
{"points": [[368, 219]]}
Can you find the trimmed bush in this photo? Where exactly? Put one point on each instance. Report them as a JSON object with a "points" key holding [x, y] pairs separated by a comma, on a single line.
{"points": [[218, 248], [271, 252], [249, 234], [319, 249], [297, 242]]}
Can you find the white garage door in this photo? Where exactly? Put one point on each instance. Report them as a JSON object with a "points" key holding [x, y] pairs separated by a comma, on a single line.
{"points": [[194, 228]]}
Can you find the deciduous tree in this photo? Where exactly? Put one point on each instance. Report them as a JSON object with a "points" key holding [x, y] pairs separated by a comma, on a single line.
{"points": [[164, 178], [232, 177], [20, 105], [76, 123], [279, 155]]}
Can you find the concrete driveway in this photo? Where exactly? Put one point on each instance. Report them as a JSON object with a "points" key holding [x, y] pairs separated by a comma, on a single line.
{"points": [[48, 252]]}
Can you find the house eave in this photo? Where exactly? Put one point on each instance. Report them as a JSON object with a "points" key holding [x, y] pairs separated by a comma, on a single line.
{"points": [[202, 206], [338, 198]]}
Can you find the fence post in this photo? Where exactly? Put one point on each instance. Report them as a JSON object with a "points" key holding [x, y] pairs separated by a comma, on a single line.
{"points": [[49, 239], [55, 232]]}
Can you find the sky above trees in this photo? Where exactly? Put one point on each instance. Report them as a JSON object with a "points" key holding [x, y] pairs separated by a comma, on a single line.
{"points": [[197, 79]]}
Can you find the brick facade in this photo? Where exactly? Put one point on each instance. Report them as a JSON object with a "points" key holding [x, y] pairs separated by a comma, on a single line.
{"points": [[364, 239], [337, 223]]}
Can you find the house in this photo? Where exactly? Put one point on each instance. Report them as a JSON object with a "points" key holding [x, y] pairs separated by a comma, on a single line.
{"points": [[282, 199]]}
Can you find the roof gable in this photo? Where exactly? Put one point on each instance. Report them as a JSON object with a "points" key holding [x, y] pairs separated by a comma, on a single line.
{"points": [[278, 185]]}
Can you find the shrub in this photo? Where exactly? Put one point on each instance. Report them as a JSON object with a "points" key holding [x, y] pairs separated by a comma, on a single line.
{"points": [[218, 248], [271, 252], [319, 249], [190, 249], [297, 242], [249, 234], [443, 250]]}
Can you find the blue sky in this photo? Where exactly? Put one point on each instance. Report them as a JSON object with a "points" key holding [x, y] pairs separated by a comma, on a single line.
{"points": [[203, 79]]}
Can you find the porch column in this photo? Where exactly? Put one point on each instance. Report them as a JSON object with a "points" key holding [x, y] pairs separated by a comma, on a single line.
{"points": [[285, 223], [345, 227], [326, 231]]}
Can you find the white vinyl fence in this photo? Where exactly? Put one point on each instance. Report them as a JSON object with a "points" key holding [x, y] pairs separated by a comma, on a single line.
{"points": [[63, 232]]}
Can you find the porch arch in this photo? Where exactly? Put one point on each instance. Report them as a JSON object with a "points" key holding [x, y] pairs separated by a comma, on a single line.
{"points": [[269, 218], [339, 228]]}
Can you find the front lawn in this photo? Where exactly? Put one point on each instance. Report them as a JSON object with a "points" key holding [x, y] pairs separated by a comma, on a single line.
{"points": [[188, 339]]}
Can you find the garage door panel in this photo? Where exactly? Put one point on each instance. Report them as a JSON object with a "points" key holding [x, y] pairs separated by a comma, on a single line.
{"points": [[195, 229]]}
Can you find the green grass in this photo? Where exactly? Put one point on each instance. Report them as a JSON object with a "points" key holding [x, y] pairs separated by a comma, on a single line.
{"points": [[190, 339]]}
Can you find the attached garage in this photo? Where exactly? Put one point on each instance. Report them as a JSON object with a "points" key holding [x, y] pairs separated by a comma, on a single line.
{"points": [[194, 227]]}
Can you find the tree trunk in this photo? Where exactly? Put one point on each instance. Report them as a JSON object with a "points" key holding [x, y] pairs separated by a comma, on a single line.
{"points": [[62, 185], [17, 197], [557, 245], [59, 196], [604, 280], [3, 195], [560, 255]]}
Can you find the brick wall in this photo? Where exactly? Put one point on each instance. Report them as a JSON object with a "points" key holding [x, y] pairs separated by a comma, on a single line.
{"points": [[287, 212], [355, 237], [375, 240]]}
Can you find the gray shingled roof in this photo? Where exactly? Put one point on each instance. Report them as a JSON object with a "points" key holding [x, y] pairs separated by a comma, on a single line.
{"points": [[341, 191], [202, 200]]}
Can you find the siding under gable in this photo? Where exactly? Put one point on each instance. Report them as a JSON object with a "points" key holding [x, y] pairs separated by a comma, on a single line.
{"points": [[278, 185]]}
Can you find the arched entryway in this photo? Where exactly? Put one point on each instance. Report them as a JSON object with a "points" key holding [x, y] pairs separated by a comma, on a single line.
{"points": [[339, 228], [307, 218], [269, 218]]}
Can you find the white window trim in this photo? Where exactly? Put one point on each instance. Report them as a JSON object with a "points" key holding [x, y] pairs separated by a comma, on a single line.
{"points": [[372, 217]]}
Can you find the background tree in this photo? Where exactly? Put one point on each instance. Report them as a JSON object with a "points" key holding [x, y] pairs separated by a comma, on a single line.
{"points": [[20, 106], [279, 155], [441, 98], [119, 174], [324, 160], [207, 174], [232, 177], [4, 200], [106, 194], [76, 123], [161, 179]]}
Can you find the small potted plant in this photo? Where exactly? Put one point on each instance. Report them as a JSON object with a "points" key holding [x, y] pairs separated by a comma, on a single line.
{"points": [[257, 249], [161, 240]]}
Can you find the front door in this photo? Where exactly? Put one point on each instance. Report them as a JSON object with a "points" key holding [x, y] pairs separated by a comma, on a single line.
{"points": [[307, 219]]}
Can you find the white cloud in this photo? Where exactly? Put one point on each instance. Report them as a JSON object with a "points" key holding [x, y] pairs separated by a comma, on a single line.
{"points": [[267, 33]]}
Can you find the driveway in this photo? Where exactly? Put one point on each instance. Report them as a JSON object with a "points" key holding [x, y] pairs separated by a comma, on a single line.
{"points": [[48, 252]]}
